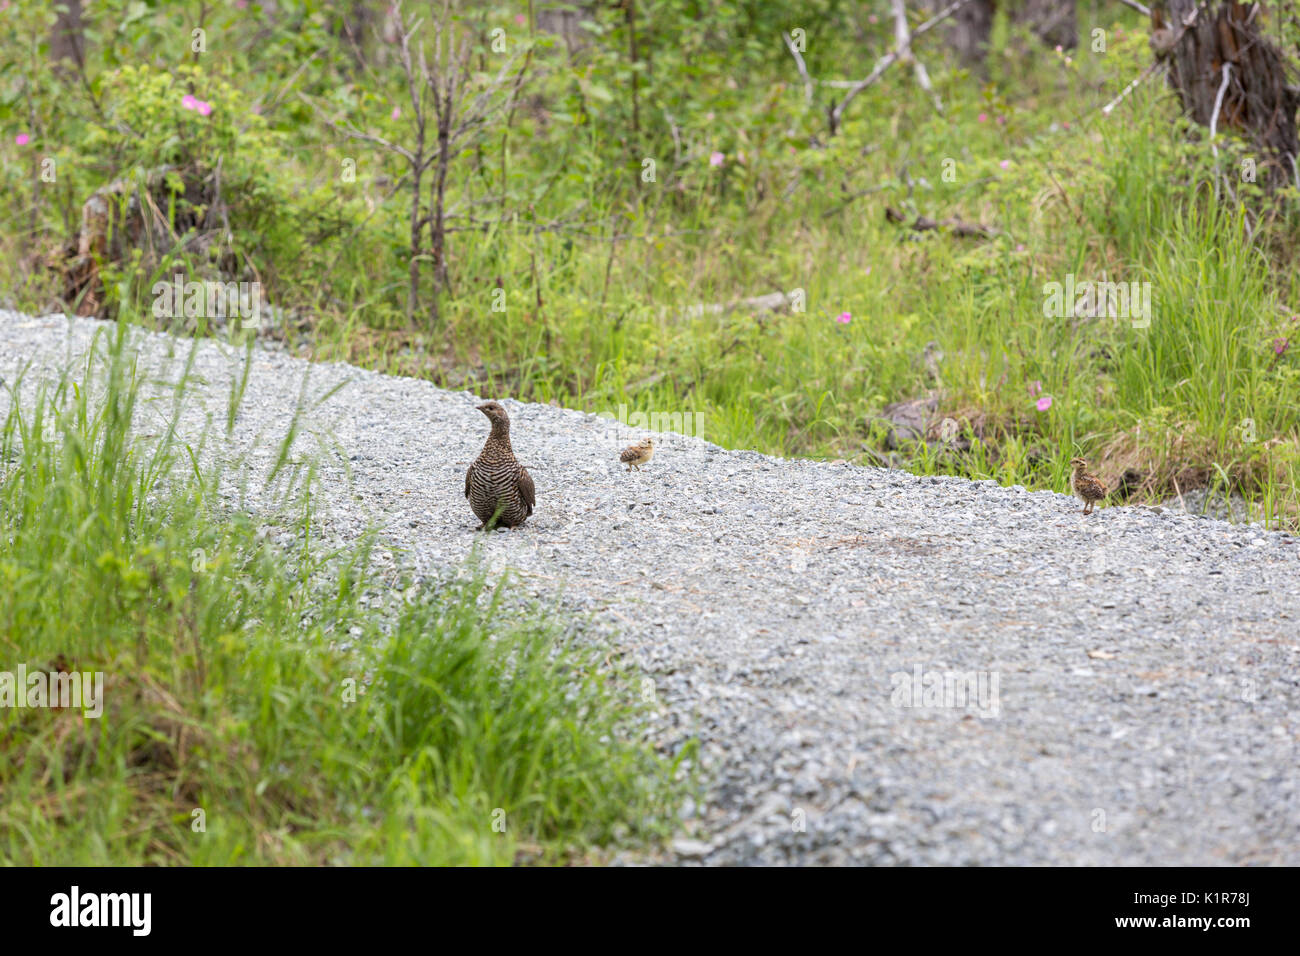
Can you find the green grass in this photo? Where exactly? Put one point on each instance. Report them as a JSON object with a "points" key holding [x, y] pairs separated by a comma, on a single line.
{"points": [[277, 705], [1198, 398], [1172, 402]]}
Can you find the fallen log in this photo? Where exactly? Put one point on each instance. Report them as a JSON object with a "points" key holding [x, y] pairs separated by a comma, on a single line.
{"points": [[957, 227]]}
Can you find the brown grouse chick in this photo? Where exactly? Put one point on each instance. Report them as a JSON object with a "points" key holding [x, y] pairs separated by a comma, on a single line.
{"points": [[498, 488], [634, 456], [1087, 488]]}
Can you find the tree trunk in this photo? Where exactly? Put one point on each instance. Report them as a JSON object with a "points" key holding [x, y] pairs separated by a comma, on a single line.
{"points": [[563, 18], [354, 29], [1052, 21], [969, 35], [417, 229], [438, 200], [1199, 44], [67, 40]]}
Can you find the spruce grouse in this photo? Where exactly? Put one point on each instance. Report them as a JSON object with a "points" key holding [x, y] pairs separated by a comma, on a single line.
{"points": [[498, 488]]}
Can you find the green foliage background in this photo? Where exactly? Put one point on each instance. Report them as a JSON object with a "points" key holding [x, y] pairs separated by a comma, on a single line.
{"points": [[599, 265]]}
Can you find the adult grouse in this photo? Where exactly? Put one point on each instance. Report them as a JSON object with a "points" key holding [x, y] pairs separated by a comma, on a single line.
{"points": [[498, 488]]}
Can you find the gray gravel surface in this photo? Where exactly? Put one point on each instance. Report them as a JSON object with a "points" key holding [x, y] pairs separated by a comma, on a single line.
{"points": [[1134, 673]]}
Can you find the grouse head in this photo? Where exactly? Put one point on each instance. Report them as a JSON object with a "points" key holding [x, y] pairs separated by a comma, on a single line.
{"points": [[496, 415]]}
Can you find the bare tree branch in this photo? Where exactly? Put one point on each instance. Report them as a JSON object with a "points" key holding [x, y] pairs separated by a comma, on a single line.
{"points": [[903, 41], [803, 67], [1218, 104], [888, 60]]}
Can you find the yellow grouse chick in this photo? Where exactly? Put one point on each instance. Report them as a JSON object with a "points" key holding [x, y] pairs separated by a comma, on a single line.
{"points": [[634, 456], [1087, 488]]}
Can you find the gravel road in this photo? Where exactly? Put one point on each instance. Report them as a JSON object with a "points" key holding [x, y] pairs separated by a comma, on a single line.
{"points": [[880, 668]]}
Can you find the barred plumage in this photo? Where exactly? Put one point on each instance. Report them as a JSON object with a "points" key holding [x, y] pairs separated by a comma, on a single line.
{"points": [[634, 456], [496, 485], [1087, 488]]}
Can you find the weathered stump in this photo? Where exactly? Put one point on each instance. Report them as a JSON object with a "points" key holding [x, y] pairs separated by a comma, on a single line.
{"points": [[1199, 42]]}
